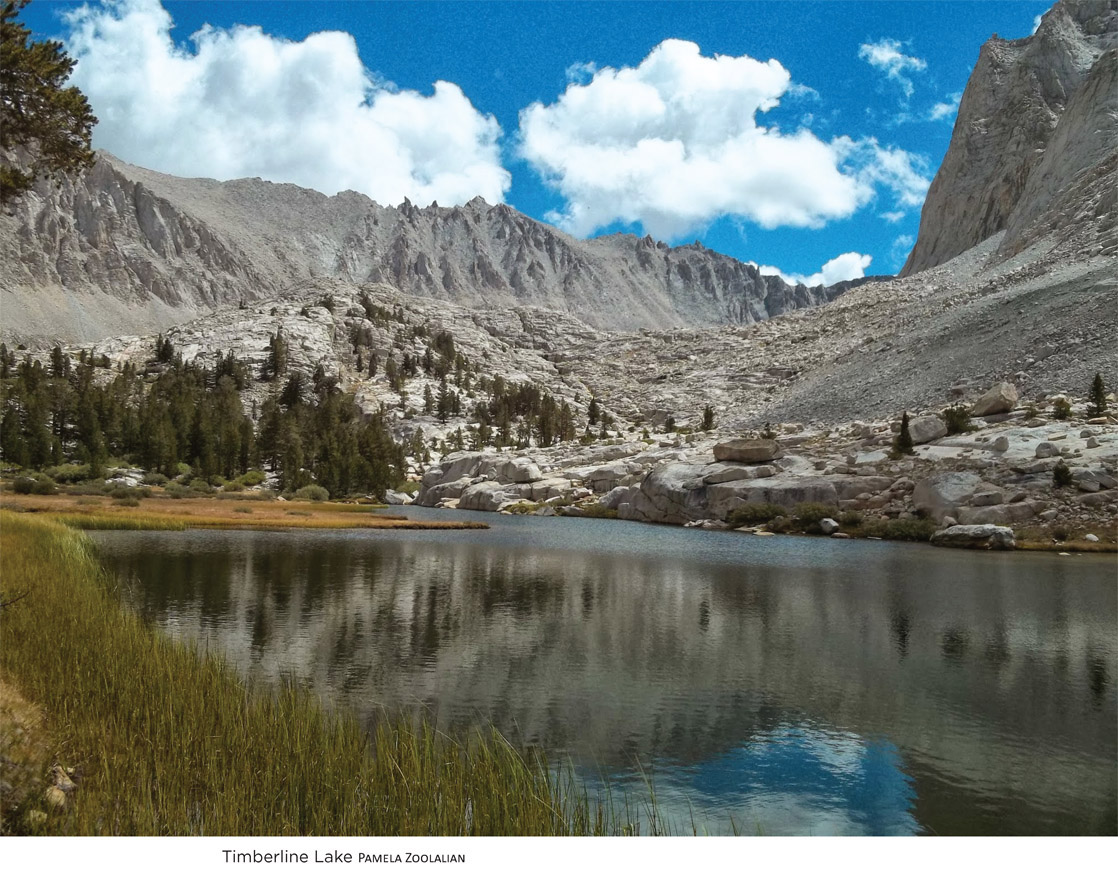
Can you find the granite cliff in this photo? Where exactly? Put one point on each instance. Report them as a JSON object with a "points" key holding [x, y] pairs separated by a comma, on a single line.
{"points": [[1034, 142]]}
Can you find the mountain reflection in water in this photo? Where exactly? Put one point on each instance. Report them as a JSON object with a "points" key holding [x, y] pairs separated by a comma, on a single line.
{"points": [[791, 685]]}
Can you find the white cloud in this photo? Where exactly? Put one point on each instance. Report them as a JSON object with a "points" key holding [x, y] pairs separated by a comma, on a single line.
{"points": [[886, 55], [893, 217], [900, 171], [674, 144], [244, 103], [946, 110], [902, 245], [850, 265]]}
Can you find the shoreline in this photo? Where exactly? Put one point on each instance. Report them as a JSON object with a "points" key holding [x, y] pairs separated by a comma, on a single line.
{"points": [[158, 512]]}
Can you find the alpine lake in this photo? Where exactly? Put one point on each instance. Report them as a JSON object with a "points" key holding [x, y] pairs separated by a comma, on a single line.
{"points": [[781, 686]]}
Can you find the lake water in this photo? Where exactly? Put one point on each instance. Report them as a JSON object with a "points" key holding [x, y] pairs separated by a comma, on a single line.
{"points": [[780, 685]]}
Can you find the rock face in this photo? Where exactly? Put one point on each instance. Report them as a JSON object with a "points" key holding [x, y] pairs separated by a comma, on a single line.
{"points": [[1000, 398], [127, 250], [986, 536], [926, 428], [1024, 147], [942, 494]]}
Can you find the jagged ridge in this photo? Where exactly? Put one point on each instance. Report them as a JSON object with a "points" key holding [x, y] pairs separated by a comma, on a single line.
{"points": [[124, 249]]}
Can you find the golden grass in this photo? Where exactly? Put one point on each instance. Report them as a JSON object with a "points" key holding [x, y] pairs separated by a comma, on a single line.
{"points": [[170, 741], [157, 513]]}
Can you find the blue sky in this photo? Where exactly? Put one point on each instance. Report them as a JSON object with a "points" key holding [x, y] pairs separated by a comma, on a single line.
{"points": [[664, 117]]}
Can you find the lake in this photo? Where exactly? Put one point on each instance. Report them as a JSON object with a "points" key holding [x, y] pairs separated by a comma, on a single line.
{"points": [[780, 685]]}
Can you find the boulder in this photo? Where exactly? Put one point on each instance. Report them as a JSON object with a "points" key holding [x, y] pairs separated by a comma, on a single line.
{"points": [[395, 498], [926, 429], [1001, 443], [1046, 449], [988, 536], [671, 494], [615, 497], [519, 470], [1000, 398], [942, 494], [989, 497], [828, 526], [449, 490], [748, 450], [485, 496], [1004, 514]]}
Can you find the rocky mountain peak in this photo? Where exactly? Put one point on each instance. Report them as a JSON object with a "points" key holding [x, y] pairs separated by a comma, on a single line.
{"points": [[1009, 125]]}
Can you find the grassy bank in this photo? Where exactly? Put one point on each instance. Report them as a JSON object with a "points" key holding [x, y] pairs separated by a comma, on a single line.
{"points": [[165, 740], [160, 513]]}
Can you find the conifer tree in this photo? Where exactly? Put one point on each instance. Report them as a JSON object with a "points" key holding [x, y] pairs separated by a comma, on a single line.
{"points": [[49, 123], [708, 419], [904, 443], [1097, 396]]}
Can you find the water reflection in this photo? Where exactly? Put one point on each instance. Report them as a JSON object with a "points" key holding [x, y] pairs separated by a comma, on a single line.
{"points": [[801, 686]]}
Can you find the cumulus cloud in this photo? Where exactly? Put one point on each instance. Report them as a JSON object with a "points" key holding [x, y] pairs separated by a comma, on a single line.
{"points": [[243, 103], [850, 265], [902, 172], [674, 143], [886, 55], [946, 110]]}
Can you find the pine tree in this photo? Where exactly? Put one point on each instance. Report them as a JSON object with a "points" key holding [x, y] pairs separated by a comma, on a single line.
{"points": [[1097, 396], [39, 116], [708, 419], [904, 443], [592, 411]]}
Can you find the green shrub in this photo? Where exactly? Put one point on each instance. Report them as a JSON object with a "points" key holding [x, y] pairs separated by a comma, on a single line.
{"points": [[155, 478], [201, 486], [850, 519], [1061, 409], [1061, 475], [177, 491], [904, 530], [1031, 411], [23, 485], [957, 419], [753, 513], [252, 478], [244, 510], [129, 501], [1061, 533], [808, 516], [316, 493], [68, 473], [233, 487]]}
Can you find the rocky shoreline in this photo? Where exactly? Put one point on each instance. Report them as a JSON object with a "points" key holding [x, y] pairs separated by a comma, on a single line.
{"points": [[977, 486]]}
